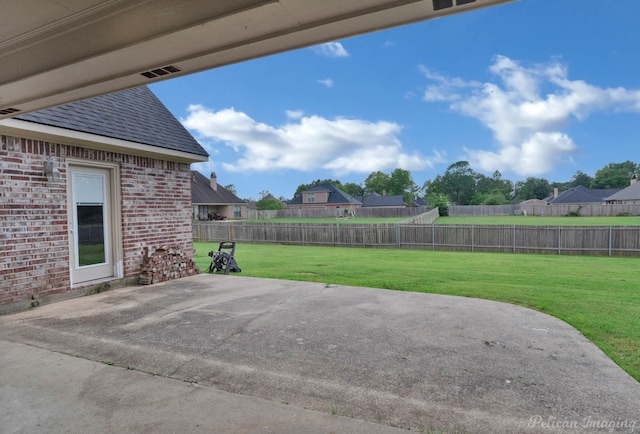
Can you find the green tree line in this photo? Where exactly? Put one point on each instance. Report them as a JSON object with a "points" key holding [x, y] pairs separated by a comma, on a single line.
{"points": [[461, 185]]}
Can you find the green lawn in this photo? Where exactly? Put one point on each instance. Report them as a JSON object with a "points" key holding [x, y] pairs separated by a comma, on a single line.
{"points": [[600, 296], [540, 221]]}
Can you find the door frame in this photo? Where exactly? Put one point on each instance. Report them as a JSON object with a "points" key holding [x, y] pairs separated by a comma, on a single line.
{"points": [[114, 214]]}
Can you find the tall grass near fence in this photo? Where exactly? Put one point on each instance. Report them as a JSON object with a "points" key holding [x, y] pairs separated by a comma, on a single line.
{"points": [[598, 296]]}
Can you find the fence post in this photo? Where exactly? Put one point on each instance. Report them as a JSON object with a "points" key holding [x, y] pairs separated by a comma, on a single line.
{"points": [[397, 235], [229, 232], [433, 236], [514, 238], [473, 231], [559, 240], [610, 239]]}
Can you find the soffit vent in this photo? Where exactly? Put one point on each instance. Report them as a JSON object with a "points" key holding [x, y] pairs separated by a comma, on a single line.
{"points": [[158, 72], [443, 4], [8, 111]]}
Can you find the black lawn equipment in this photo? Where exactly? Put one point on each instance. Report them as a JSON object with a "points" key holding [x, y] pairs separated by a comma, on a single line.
{"points": [[222, 260]]}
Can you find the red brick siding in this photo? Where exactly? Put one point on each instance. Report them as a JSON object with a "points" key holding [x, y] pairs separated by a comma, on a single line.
{"points": [[34, 245], [156, 209]]}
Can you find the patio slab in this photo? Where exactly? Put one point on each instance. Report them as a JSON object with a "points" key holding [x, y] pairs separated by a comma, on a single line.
{"points": [[387, 358]]}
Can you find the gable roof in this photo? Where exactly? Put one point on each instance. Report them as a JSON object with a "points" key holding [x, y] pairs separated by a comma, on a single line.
{"points": [[336, 196], [376, 199], [581, 194], [203, 194], [632, 192], [135, 115], [418, 201]]}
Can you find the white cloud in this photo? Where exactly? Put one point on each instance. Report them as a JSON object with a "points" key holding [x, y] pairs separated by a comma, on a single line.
{"points": [[527, 123], [308, 143], [538, 155], [294, 114], [327, 82], [331, 49]]}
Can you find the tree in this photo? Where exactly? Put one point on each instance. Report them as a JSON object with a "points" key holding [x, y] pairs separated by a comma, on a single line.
{"points": [[458, 183], [231, 188], [401, 183], [269, 203], [440, 201], [615, 175], [376, 182], [580, 178], [496, 197], [533, 188], [353, 189], [486, 186]]}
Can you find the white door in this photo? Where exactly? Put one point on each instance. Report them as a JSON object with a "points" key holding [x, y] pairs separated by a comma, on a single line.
{"points": [[91, 256]]}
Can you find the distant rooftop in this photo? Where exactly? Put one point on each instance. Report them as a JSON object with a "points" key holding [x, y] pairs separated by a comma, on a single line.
{"points": [[202, 193], [581, 194]]}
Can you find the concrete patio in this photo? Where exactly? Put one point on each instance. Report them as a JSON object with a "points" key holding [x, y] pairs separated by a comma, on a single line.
{"points": [[215, 353]]}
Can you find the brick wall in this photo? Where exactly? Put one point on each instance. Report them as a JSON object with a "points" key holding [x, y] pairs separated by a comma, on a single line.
{"points": [[34, 244], [156, 208]]}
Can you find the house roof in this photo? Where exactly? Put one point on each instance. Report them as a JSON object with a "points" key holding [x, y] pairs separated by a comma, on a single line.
{"points": [[336, 196], [632, 192], [135, 115], [582, 194], [418, 202], [203, 194], [375, 199]]}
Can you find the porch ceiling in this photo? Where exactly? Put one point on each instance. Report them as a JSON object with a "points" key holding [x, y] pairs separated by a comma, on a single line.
{"points": [[57, 51]]}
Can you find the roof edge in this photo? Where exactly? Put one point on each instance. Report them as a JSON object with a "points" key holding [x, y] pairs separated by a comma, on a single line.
{"points": [[33, 130]]}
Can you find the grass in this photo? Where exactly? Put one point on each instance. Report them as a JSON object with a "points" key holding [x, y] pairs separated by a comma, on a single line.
{"points": [[600, 296], [540, 221], [89, 254]]}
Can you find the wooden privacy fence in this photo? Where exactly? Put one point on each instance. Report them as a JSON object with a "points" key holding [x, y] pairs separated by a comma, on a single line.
{"points": [[559, 210], [335, 212], [573, 240]]}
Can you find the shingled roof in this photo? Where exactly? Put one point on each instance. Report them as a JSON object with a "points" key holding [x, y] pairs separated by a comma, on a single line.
{"points": [[203, 194], [336, 196], [377, 200], [630, 193], [135, 115], [581, 194]]}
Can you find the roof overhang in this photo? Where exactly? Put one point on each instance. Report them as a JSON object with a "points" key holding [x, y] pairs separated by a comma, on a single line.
{"points": [[57, 51], [35, 131]]}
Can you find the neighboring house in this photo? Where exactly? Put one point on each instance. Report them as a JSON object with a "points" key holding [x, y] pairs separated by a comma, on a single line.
{"points": [[327, 196], [627, 196], [87, 191], [212, 201], [324, 196], [581, 195], [382, 201], [418, 201]]}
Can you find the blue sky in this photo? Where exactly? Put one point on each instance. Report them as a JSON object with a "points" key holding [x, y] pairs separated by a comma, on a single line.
{"points": [[533, 88]]}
